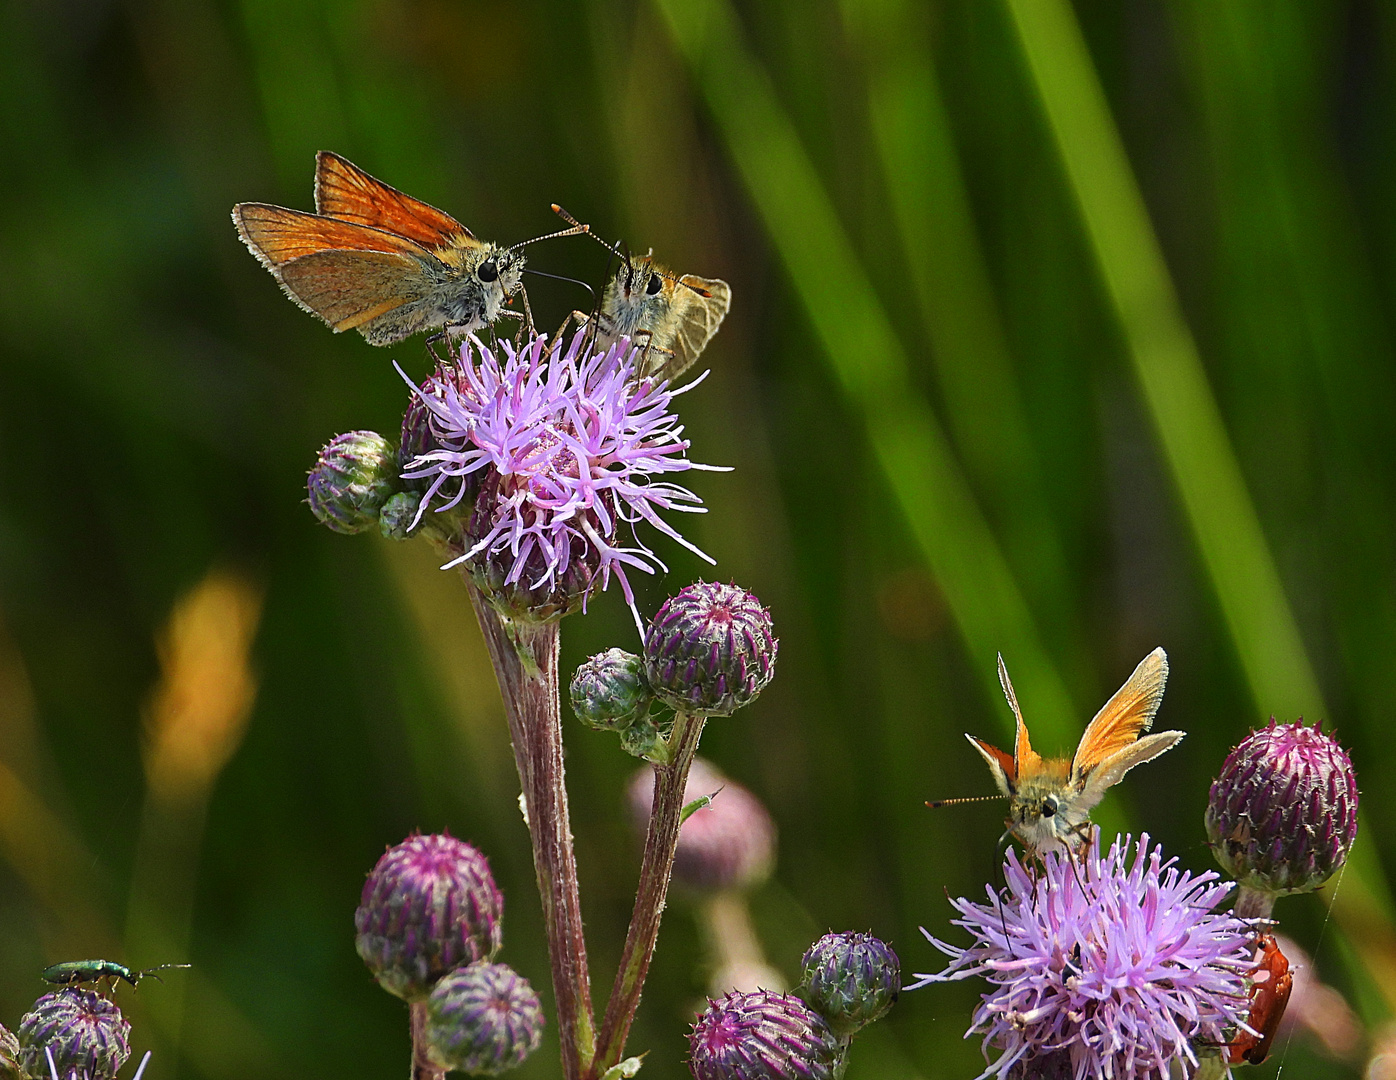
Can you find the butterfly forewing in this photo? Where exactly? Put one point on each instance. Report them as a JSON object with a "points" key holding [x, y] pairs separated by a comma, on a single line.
{"points": [[1126, 716], [1024, 757], [277, 235], [345, 191]]}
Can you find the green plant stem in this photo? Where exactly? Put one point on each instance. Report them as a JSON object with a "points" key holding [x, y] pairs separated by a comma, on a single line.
{"points": [[661, 841], [1253, 904], [524, 655], [422, 1068]]}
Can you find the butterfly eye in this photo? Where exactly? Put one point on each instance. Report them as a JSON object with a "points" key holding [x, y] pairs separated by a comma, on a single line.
{"points": [[488, 271], [655, 284], [1049, 806]]}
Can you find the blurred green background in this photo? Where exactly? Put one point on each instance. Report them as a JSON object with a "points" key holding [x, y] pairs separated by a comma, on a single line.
{"points": [[1057, 331]]}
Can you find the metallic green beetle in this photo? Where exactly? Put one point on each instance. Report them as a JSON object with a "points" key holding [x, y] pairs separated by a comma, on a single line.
{"points": [[77, 972]]}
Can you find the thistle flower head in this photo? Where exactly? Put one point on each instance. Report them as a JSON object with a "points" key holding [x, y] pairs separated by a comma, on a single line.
{"points": [[852, 979], [83, 1032], [354, 475], [483, 1019], [762, 1036], [567, 446], [1282, 813], [728, 844], [1119, 966], [428, 906], [710, 649]]}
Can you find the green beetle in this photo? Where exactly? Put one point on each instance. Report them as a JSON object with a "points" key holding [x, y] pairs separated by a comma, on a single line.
{"points": [[77, 972]]}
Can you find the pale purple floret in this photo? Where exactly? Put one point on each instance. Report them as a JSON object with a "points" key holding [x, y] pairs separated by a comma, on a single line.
{"points": [[1125, 969], [575, 440]]}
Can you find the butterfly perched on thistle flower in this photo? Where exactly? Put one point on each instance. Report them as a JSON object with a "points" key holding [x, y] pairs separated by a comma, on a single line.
{"points": [[1050, 799], [672, 317], [378, 261]]}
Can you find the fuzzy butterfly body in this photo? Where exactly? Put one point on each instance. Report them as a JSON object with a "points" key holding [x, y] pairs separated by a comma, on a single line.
{"points": [[378, 261], [1050, 799]]}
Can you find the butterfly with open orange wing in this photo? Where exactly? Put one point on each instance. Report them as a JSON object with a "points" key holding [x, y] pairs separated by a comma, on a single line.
{"points": [[375, 260], [1050, 799]]}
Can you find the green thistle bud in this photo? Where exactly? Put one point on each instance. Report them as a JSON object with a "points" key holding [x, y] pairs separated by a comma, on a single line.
{"points": [[483, 1019], [710, 650], [1282, 814], [609, 691], [356, 473], [851, 980], [430, 905], [645, 739], [396, 518], [9, 1055], [84, 1032]]}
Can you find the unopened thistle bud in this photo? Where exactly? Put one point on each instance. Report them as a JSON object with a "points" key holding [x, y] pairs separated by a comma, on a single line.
{"points": [[84, 1032], [429, 906], [609, 691], [851, 980], [1282, 814], [728, 844], [710, 649], [356, 473], [10, 1068], [762, 1036], [483, 1019]]}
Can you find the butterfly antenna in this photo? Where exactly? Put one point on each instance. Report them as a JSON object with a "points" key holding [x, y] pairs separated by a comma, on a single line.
{"points": [[562, 277], [936, 804], [576, 228]]}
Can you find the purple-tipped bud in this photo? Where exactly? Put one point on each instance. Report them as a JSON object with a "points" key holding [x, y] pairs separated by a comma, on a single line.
{"points": [[354, 476], [851, 980], [483, 1019], [428, 907], [84, 1032], [728, 844], [609, 691], [710, 649], [762, 1036], [542, 584], [1282, 814], [10, 1068]]}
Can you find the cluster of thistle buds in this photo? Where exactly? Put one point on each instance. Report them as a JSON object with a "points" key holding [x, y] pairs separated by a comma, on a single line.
{"points": [[709, 651], [73, 1033], [428, 926], [849, 980]]}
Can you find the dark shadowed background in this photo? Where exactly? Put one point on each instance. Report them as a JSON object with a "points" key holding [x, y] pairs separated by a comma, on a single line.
{"points": [[1061, 332]]}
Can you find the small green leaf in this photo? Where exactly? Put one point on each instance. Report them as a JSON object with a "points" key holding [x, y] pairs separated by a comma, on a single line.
{"points": [[696, 805], [624, 1071]]}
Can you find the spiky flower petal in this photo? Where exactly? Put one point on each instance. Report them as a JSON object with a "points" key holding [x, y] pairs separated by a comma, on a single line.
{"points": [[567, 446], [1121, 967], [430, 905], [851, 979], [762, 1036], [83, 1031], [483, 1019], [1282, 813], [710, 649]]}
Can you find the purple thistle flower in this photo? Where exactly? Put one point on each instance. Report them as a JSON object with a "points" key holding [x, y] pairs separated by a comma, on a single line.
{"points": [[574, 442], [763, 1036], [1119, 968]]}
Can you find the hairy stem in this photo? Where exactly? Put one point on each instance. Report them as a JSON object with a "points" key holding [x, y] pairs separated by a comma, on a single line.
{"points": [[422, 1068], [525, 663], [661, 841], [1253, 904]]}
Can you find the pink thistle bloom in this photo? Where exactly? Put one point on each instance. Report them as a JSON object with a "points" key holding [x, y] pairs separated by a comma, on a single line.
{"points": [[1100, 967], [574, 442]]}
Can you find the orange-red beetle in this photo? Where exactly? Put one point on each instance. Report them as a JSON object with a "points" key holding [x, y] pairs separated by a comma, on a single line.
{"points": [[1271, 983]]}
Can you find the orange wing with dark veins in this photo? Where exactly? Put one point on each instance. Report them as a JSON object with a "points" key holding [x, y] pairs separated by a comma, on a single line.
{"points": [[277, 235], [1125, 717], [1024, 756], [345, 191]]}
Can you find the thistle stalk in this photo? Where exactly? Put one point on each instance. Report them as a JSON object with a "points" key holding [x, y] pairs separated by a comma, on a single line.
{"points": [[422, 1068], [525, 656], [661, 842]]}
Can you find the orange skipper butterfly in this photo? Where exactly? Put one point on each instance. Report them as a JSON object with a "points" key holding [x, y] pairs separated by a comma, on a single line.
{"points": [[375, 260], [1050, 799]]}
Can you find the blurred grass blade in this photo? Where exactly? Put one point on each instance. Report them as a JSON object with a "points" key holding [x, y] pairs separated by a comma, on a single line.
{"points": [[950, 281], [868, 360], [1185, 413]]}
